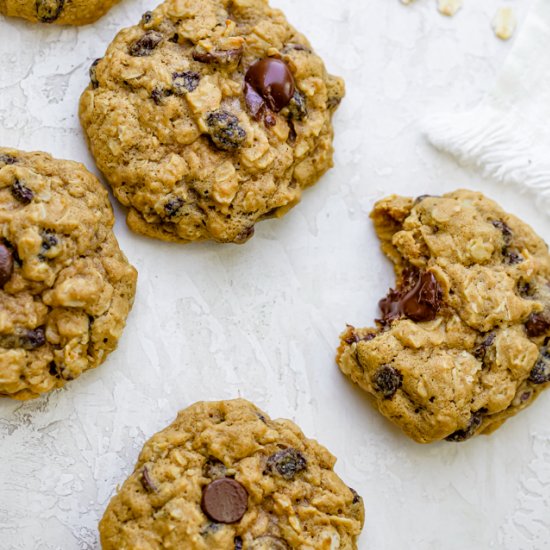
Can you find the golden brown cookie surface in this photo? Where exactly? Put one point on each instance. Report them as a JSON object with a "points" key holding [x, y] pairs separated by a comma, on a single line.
{"points": [[209, 116], [65, 286], [463, 342], [224, 476], [60, 12]]}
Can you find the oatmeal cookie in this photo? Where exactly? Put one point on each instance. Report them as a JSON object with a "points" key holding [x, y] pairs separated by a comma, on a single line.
{"points": [[209, 116], [224, 476], [65, 286], [463, 342], [61, 12]]}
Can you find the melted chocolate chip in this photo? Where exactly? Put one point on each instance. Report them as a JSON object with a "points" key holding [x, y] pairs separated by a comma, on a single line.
{"points": [[146, 44], [462, 435], [540, 374], [287, 462], [224, 500], [21, 192], [225, 131], [147, 481], [387, 380], [418, 298], [93, 76], [185, 82], [272, 80], [538, 324], [6, 264], [47, 11], [218, 57]]}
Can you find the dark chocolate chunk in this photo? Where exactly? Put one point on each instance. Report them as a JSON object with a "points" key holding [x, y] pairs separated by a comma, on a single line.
{"points": [[418, 298], [6, 264], [461, 435], [21, 192], [224, 500], [538, 324], [297, 106], [93, 76], [225, 131], [287, 462], [219, 57], [47, 11], [254, 102], [146, 44], [185, 82], [272, 80], [540, 374], [387, 380], [147, 481]]}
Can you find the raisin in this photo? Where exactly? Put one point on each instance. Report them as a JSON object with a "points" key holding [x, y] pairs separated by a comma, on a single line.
{"points": [[297, 106], [147, 481], [7, 159], [146, 44], [158, 94], [538, 324], [481, 350], [185, 82], [353, 337], [93, 76], [224, 130], [287, 462], [214, 469], [504, 229], [219, 57], [238, 542], [541, 371], [512, 257], [52, 369], [21, 192], [24, 339], [244, 235], [146, 17], [356, 496], [173, 206], [387, 380], [47, 11], [6, 264], [469, 431]]}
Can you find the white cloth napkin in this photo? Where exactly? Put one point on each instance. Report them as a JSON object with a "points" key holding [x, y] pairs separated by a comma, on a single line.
{"points": [[507, 136]]}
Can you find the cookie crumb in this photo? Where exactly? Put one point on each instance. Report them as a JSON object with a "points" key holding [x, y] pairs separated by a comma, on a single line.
{"points": [[504, 23], [449, 7]]}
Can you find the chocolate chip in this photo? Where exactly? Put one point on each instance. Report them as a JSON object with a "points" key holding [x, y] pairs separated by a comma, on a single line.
{"points": [[147, 481], [224, 130], [287, 462], [146, 44], [507, 233], [269, 543], [6, 264], [185, 82], [272, 80], [297, 106], [21, 192], [481, 350], [418, 298], [540, 374], [214, 468], [27, 339], [7, 159], [387, 380], [47, 11], [238, 542], [224, 500], [93, 76], [353, 337], [218, 57], [474, 423], [538, 324]]}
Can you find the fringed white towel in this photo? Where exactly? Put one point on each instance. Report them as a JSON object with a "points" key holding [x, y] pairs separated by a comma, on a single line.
{"points": [[507, 136]]}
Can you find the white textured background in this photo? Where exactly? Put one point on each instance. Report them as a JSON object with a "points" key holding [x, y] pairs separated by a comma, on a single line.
{"points": [[262, 320]]}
